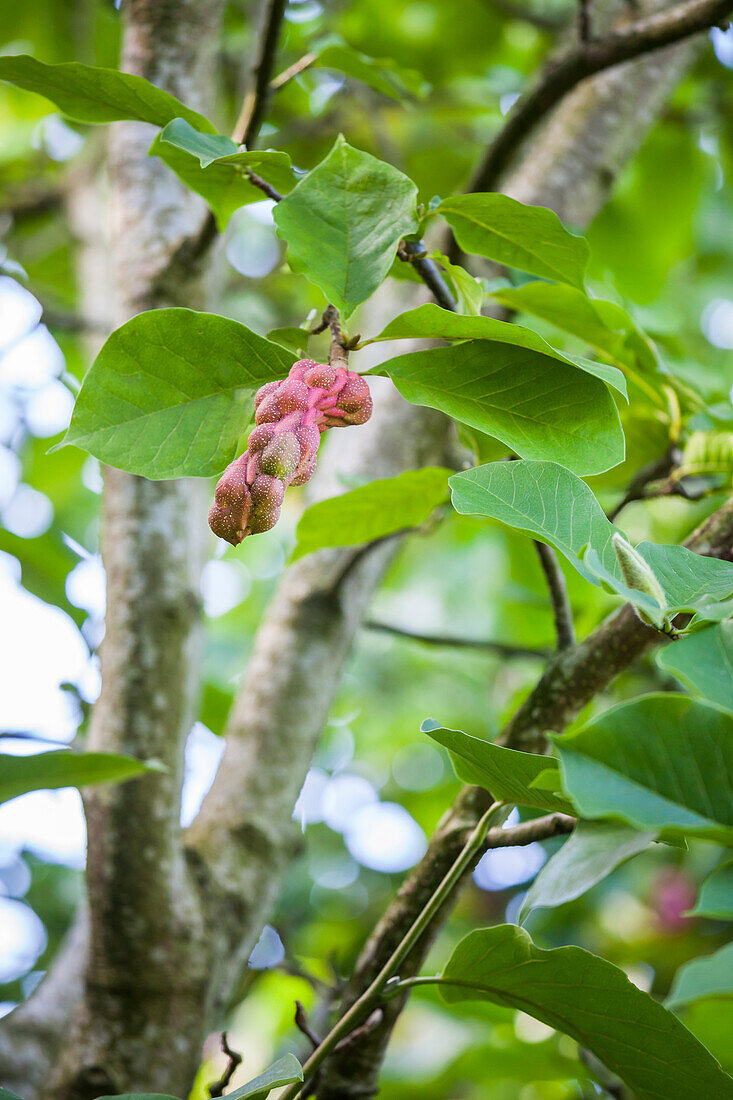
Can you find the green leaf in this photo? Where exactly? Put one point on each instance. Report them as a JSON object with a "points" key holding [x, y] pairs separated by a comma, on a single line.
{"points": [[136, 1096], [506, 773], [715, 899], [431, 322], [550, 503], [594, 1002], [49, 770], [89, 94], [284, 1071], [662, 763], [372, 511], [530, 238], [165, 397], [214, 166], [343, 223], [704, 663], [590, 854], [468, 290], [296, 339], [382, 74], [709, 976], [5, 1094], [537, 406], [605, 326]]}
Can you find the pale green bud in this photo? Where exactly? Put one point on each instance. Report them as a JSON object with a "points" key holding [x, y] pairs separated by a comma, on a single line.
{"points": [[638, 575]]}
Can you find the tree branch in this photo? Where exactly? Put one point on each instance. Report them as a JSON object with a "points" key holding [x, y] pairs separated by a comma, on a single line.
{"points": [[561, 610], [255, 103], [641, 37], [500, 648]]}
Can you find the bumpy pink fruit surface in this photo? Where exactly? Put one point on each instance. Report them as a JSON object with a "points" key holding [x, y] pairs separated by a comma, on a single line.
{"points": [[290, 417]]}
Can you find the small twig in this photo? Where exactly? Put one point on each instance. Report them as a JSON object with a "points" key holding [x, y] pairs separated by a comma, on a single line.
{"points": [[584, 20], [501, 648], [587, 58], [527, 832], [295, 69], [235, 1060], [414, 253], [252, 114], [561, 609], [301, 1022], [263, 185], [360, 1033], [360, 554], [653, 471]]}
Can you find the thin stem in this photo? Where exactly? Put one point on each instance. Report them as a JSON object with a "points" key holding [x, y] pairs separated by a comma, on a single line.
{"points": [[254, 107], [561, 609], [430, 275], [295, 69], [369, 999], [500, 648]]}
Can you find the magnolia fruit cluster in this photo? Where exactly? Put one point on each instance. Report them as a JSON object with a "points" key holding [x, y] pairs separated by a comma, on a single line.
{"points": [[290, 417]]}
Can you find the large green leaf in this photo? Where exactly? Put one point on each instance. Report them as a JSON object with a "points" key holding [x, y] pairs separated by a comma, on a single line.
{"points": [[715, 899], [530, 238], [50, 770], [549, 502], [593, 851], [542, 498], [431, 322], [165, 397], [284, 1071], [215, 167], [709, 976], [594, 1002], [539, 407], [704, 663], [661, 763], [605, 326], [372, 511], [508, 774], [343, 223], [90, 94]]}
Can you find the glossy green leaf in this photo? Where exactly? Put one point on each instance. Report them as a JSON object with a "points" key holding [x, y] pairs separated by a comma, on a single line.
{"points": [[506, 773], [588, 856], [704, 663], [429, 321], [381, 74], [707, 976], [89, 94], [284, 1071], [661, 763], [594, 1002], [531, 238], [715, 899], [167, 394], [343, 223], [215, 167], [539, 407], [550, 503], [50, 770], [604, 326], [372, 511]]}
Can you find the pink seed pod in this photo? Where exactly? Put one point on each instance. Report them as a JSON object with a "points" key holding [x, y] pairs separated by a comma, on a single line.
{"points": [[291, 415]]}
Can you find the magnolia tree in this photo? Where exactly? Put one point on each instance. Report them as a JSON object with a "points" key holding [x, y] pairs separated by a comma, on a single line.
{"points": [[493, 422]]}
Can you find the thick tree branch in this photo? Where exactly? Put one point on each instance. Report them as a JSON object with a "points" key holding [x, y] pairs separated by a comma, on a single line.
{"points": [[562, 612], [643, 36]]}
